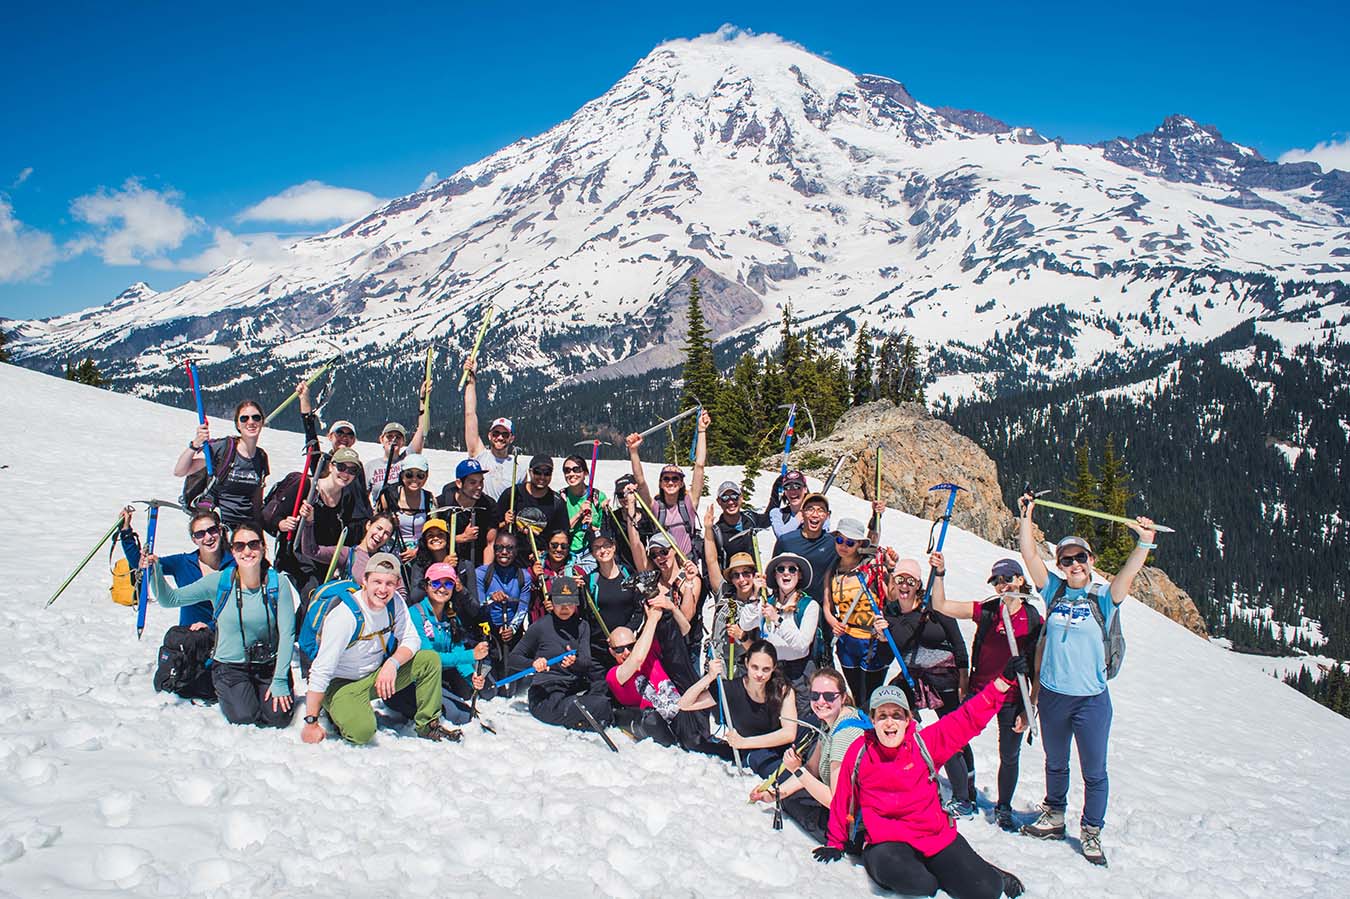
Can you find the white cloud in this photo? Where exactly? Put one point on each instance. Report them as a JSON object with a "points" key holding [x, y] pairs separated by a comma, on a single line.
{"points": [[24, 252], [430, 179], [311, 203], [1331, 154], [226, 247], [132, 222], [23, 176]]}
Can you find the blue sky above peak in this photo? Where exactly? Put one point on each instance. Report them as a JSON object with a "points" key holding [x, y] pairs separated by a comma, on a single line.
{"points": [[155, 141]]}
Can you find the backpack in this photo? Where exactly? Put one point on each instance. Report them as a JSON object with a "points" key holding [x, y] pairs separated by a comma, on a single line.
{"points": [[857, 834], [1113, 639], [324, 600], [184, 664], [199, 488], [126, 581], [989, 617]]}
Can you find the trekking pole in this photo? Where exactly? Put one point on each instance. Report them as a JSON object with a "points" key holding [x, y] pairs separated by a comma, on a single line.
{"points": [[117, 526], [942, 535], [1032, 726], [652, 515], [529, 672], [308, 381], [143, 597], [477, 342], [337, 553]]}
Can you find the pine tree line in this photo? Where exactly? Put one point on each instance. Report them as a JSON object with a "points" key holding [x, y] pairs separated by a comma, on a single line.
{"points": [[1331, 689], [1106, 490]]}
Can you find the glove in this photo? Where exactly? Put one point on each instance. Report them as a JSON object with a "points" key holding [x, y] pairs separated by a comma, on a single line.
{"points": [[1016, 665], [827, 854]]}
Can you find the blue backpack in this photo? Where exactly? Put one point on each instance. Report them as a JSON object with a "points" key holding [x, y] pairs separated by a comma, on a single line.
{"points": [[226, 584], [325, 599]]}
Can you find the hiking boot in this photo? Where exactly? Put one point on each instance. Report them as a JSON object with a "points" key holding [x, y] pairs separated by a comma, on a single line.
{"points": [[1049, 826], [1012, 887], [439, 732], [960, 808], [1004, 819], [1092, 845]]}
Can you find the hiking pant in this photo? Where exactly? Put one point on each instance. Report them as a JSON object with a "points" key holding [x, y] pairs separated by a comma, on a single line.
{"points": [[242, 694], [956, 870], [809, 814], [348, 701], [556, 706], [1009, 751], [763, 762], [1087, 720], [454, 708]]}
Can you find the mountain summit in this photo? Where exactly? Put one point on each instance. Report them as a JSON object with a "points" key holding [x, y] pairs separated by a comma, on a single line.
{"points": [[773, 176]]}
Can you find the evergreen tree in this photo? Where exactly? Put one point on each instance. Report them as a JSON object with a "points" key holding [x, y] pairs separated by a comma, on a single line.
{"points": [[888, 369], [85, 373], [911, 377], [1082, 492], [1114, 542], [701, 378], [863, 386], [4, 352], [791, 356]]}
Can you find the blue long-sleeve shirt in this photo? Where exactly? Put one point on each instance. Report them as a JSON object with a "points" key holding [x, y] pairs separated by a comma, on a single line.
{"points": [[515, 582], [258, 619], [439, 636], [185, 569]]}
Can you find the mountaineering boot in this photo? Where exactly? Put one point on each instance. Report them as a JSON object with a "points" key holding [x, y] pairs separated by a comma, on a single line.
{"points": [[1049, 826], [438, 732], [960, 808], [1004, 819], [1012, 887], [1092, 845]]}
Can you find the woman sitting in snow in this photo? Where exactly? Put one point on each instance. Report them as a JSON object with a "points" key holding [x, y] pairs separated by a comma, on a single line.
{"points": [[1070, 692]]}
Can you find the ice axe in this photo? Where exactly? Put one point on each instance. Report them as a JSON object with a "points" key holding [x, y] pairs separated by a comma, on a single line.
{"points": [[143, 594], [1091, 513], [834, 472], [478, 670], [946, 519], [595, 457], [668, 422]]}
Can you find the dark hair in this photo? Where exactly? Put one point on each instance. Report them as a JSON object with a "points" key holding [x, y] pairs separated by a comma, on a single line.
{"points": [[389, 519], [585, 467], [778, 684], [244, 405], [424, 555], [201, 514], [837, 679]]}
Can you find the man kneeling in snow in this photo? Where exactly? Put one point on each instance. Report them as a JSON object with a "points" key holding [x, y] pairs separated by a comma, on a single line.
{"points": [[351, 668]]}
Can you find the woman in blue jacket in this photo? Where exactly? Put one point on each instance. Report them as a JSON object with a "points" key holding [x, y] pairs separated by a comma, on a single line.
{"points": [[254, 610], [445, 623], [209, 558]]}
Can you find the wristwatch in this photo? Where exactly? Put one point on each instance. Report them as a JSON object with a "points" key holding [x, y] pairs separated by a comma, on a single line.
{"points": [[799, 772], [311, 719], [194, 447]]}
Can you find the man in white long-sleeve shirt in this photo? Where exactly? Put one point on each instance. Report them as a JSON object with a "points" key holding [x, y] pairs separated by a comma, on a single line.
{"points": [[352, 668]]}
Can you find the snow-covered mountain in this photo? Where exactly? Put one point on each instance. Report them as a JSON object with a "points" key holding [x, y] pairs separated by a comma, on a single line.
{"points": [[775, 177], [113, 788]]}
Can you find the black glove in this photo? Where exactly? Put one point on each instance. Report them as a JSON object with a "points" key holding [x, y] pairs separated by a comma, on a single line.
{"points": [[1016, 665], [827, 854]]}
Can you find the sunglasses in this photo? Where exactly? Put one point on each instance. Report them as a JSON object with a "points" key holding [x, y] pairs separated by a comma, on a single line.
{"points": [[415, 475], [671, 478], [559, 545], [906, 579], [249, 545], [738, 575], [787, 569], [1066, 561], [602, 547], [212, 531], [254, 417], [542, 472], [899, 715], [445, 584], [844, 541], [999, 580], [728, 497], [620, 650], [499, 433], [344, 432], [825, 695], [504, 547], [572, 469], [658, 552], [350, 468]]}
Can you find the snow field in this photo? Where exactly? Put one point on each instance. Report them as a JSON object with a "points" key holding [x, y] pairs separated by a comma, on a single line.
{"points": [[1225, 782]]}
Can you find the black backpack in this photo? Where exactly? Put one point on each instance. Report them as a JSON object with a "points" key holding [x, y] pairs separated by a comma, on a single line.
{"points": [[199, 488], [184, 663], [989, 618]]}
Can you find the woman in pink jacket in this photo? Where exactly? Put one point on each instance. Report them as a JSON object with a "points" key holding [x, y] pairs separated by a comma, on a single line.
{"points": [[888, 785]]}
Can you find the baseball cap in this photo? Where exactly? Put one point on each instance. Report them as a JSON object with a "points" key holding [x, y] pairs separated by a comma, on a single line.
{"points": [[339, 425], [728, 487], [415, 462], [888, 695], [542, 462], [1005, 568], [1068, 542], [658, 539], [395, 428], [600, 538], [502, 423], [435, 524], [816, 498], [794, 479], [440, 571], [563, 591], [911, 568], [384, 563], [623, 481], [672, 469], [468, 467], [346, 454]]}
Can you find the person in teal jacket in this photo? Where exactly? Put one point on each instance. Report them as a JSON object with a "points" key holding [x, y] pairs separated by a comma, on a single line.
{"points": [[254, 610], [445, 624]]}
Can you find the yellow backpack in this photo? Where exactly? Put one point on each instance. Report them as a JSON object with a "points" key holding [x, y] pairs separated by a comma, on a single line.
{"points": [[125, 581]]}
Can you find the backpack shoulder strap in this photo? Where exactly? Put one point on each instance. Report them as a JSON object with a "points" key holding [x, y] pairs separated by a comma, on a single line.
{"points": [[1094, 593], [223, 585], [981, 629], [927, 759]]}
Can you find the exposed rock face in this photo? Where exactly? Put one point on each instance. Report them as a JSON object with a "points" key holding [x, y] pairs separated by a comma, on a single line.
{"points": [[1157, 591], [917, 452]]}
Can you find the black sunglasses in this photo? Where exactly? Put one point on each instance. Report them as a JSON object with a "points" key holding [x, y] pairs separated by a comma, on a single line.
{"points": [[504, 547], [542, 472], [620, 650], [347, 467], [345, 432], [824, 695], [999, 580], [1079, 559], [572, 469], [255, 416], [249, 545], [788, 569], [212, 531]]}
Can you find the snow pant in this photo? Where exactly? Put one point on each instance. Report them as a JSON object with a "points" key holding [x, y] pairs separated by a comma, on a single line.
{"points": [[1087, 720], [454, 706], [348, 701], [809, 814], [956, 870], [242, 694], [1009, 751], [556, 706]]}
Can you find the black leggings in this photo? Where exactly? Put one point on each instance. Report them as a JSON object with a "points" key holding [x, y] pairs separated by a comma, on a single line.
{"points": [[957, 870], [862, 682], [1009, 751], [960, 768]]}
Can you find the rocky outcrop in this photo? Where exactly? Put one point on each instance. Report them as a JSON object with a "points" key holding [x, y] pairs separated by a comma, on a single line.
{"points": [[1156, 590], [917, 452]]}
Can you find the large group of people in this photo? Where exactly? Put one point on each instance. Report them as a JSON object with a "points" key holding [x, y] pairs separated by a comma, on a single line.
{"points": [[637, 610]]}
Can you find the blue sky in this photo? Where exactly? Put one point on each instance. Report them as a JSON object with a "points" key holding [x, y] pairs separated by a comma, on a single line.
{"points": [[146, 141]]}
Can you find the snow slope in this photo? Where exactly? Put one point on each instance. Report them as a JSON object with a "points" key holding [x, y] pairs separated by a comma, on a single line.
{"points": [[1225, 783]]}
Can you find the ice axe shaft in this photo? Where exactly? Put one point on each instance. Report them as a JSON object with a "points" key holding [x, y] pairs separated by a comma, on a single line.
{"points": [[669, 421], [293, 394], [942, 534], [117, 526], [1104, 516]]}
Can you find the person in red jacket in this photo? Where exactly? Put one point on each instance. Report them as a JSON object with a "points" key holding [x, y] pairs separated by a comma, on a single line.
{"points": [[888, 784]]}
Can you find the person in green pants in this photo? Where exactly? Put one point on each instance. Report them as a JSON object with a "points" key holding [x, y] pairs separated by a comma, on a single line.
{"points": [[351, 668]]}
